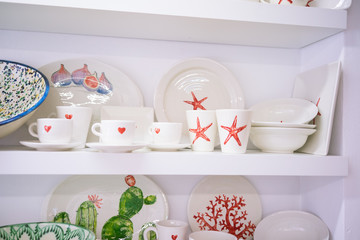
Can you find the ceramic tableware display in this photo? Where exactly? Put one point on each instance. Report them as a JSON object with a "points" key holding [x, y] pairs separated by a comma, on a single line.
{"points": [[304, 3], [168, 230], [81, 117], [52, 130], [211, 235], [234, 128], [166, 132], [23, 89], [119, 132], [202, 129]]}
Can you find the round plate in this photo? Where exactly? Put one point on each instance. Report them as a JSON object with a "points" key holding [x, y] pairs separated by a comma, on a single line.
{"points": [[225, 196], [282, 124], [49, 146], [199, 80], [294, 225], [105, 192], [114, 147]]}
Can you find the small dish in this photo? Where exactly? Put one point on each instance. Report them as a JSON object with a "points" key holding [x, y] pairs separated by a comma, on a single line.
{"points": [[285, 110], [50, 146], [115, 148], [294, 225], [168, 147], [282, 124]]}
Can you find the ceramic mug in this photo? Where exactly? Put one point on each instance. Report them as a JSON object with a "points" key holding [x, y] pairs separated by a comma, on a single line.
{"points": [[52, 130], [202, 129], [234, 129], [115, 131], [168, 230], [211, 235], [166, 132], [81, 117]]}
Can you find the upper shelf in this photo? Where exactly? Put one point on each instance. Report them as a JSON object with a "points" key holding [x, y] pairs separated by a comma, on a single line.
{"points": [[236, 22]]}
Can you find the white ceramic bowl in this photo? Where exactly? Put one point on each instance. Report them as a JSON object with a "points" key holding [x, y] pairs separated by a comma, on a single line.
{"points": [[23, 89], [45, 231], [286, 110], [211, 235], [294, 225], [279, 140]]}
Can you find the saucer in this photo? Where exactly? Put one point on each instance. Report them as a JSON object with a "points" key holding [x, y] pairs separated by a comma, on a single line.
{"points": [[168, 147], [49, 146], [104, 147]]}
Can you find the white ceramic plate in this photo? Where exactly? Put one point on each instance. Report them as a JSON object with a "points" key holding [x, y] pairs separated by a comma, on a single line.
{"points": [[143, 116], [333, 4], [320, 86], [49, 146], [284, 110], [294, 225], [124, 91], [213, 85], [281, 124], [107, 190], [203, 200], [114, 147], [168, 147]]}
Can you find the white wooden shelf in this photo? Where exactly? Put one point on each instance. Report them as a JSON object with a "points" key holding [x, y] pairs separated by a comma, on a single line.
{"points": [[205, 21], [21, 161]]}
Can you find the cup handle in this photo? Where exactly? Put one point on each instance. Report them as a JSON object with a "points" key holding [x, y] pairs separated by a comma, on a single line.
{"points": [[31, 129], [94, 131], [148, 229]]}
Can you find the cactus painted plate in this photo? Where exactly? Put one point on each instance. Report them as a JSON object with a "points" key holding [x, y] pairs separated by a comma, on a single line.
{"points": [[231, 202], [107, 203]]}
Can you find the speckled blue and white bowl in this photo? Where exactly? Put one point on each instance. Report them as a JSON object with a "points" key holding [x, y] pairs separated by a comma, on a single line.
{"points": [[22, 90]]}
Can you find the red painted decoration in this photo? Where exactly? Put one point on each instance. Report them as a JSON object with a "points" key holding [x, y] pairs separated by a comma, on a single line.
{"points": [[47, 128], [157, 130], [121, 130], [199, 131], [130, 180], [226, 214], [318, 114], [196, 103], [174, 237], [68, 116], [95, 199], [233, 132]]}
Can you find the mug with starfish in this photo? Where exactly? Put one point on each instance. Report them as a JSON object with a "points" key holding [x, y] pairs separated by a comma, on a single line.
{"points": [[234, 129]]}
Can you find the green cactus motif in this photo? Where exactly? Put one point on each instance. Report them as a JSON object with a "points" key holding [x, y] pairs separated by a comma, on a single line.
{"points": [[62, 217], [86, 216]]}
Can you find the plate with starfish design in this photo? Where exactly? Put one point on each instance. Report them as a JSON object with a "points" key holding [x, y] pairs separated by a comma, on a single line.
{"points": [[196, 84]]}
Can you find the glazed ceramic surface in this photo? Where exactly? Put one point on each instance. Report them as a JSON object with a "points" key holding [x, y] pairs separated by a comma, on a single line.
{"points": [[168, 147], [333, 4], [232, 202], [104, 147], [294, 225], [320, 86], [282, 124], [117, 201], [50, 146], [45, 231], [23, 89]]}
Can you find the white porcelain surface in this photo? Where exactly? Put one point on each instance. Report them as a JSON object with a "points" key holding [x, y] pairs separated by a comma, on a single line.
{"points": [[235, 190], [166, 133], [52, 130], [168, 229], [303, 3], [168, 147], [279, 140], [333, 4], [120, 132], [50, 146], [320, 86], [104, 147], [198, 80], [282, 124], [211, 235], [287, 110], [294, 225]]}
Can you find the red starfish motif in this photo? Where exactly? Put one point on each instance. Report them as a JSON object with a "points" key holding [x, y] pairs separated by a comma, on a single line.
{"points": [[318, 114], [199, 131], [233, 131], [196, 103]]}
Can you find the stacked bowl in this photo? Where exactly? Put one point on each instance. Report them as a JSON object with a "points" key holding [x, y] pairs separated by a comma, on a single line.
{"points": [[282, 125]]}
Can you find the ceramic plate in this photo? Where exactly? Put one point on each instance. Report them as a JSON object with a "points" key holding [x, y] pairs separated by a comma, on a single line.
{"points": [[333, 4], [168, 147], [114, 147], [49, 146], [281, 124], [320, 86], [284, 110], [294, 225], [226, 200], [196, 83], [68, 87], [143, 116], [104, 193]]}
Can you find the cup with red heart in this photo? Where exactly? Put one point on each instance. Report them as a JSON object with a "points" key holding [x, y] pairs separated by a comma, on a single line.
{"points": [[120, 132], [52, 130], [168, 230], [166, 133]]}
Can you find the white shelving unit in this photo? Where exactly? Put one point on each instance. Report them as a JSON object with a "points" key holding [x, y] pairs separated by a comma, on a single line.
{"points": [[206, 21]]}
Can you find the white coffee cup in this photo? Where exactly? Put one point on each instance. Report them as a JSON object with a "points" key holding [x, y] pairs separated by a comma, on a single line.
{"points": [[234, 129], [166, 132], [168, 230], [81, 117], [120, 132], [211, 235], [202, 129], [52, 130]]}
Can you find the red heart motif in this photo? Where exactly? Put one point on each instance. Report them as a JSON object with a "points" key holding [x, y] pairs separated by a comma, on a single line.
{"points": [[121, 130], [68, 116], [47, 128], [174, 237], [157, 130]]}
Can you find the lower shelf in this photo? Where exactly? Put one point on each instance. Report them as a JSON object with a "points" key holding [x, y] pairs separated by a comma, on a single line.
{"points": [[20, 161]]}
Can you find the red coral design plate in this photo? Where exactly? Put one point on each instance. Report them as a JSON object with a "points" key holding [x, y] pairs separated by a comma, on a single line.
{"points": [[221, 187]]}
